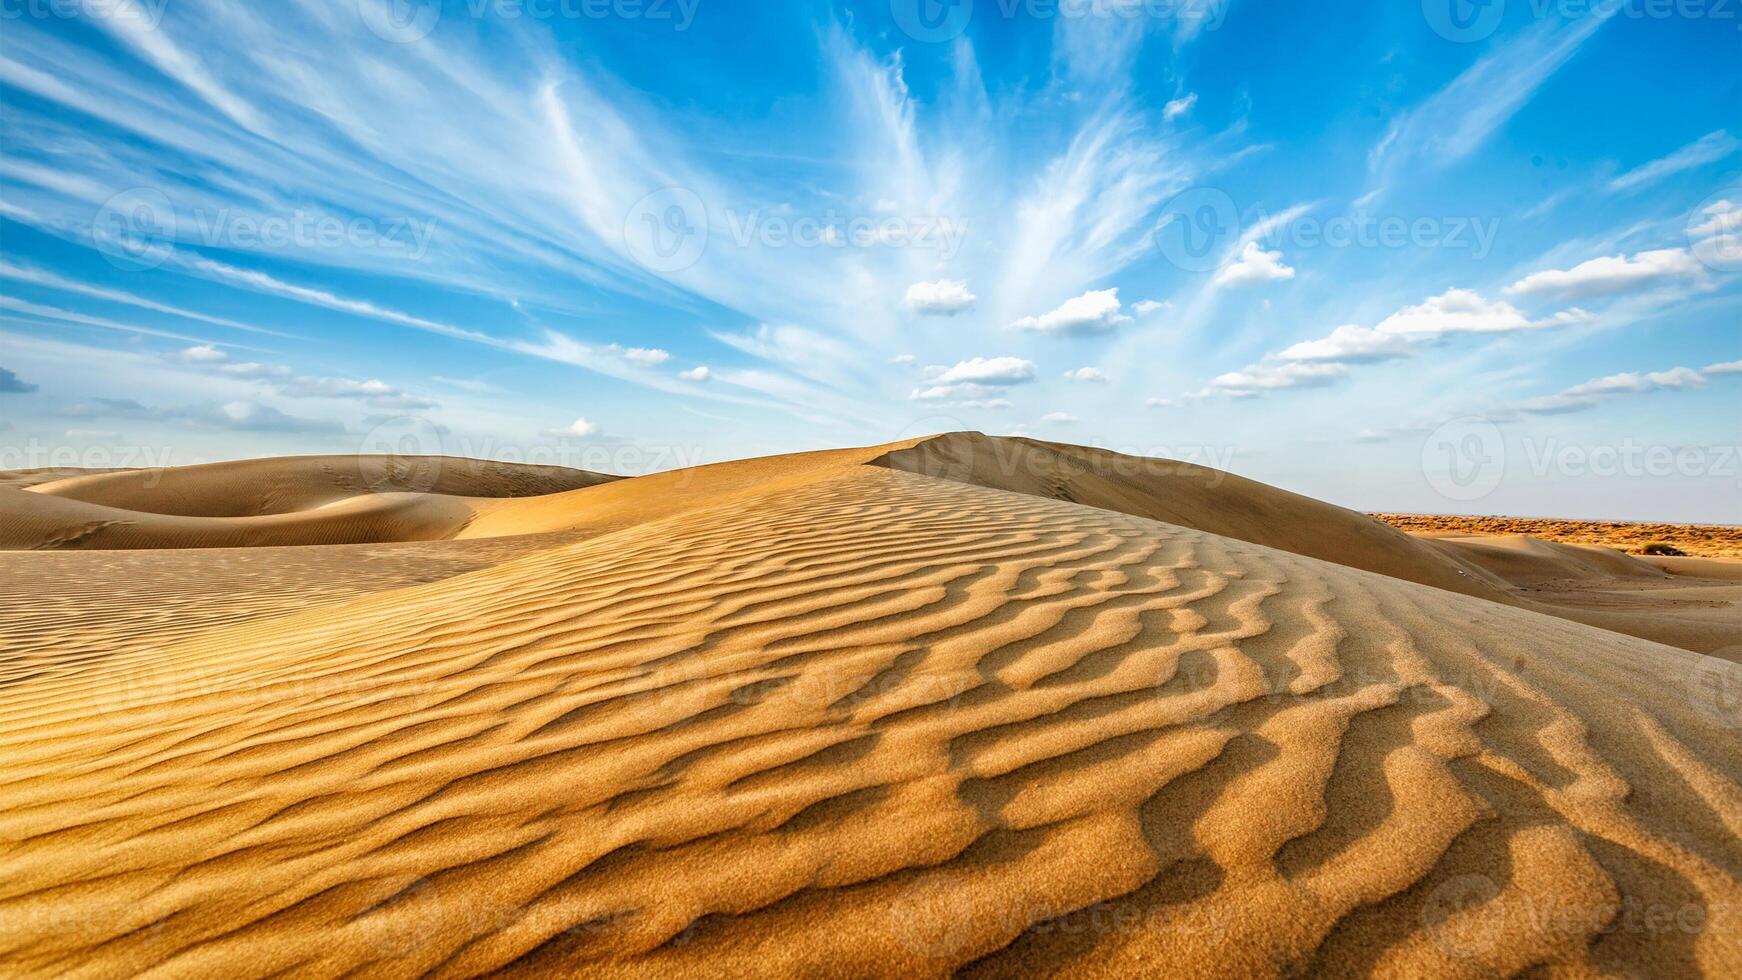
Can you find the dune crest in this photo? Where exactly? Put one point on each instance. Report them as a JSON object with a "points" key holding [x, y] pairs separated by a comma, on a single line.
{"points": [[866, 721]]}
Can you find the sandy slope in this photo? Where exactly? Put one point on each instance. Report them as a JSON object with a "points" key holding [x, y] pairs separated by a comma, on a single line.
{"points": [[1692, 603], [300, 500], [863, 721]]}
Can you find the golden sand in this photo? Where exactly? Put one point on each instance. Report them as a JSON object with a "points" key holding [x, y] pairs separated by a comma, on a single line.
{"points": [[806, 716]]}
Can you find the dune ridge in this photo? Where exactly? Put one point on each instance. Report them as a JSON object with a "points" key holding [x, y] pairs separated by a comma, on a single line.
{"points": [[866, 721]]}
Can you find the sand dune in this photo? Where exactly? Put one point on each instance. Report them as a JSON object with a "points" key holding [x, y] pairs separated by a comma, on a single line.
{"points": [[302, 500], [804, 716]]}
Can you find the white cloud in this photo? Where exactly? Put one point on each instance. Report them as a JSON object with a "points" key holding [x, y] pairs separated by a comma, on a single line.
{"points": [[946, 297], [1610, 275], [1456, 121], [580, 428], [1402, 334], [646, 357], [1709, 148], [337, 388], [1060, 418], [1087, 375], [1179, 107], [1260, 378], [903, 359], [1454, 311], [254, 370], [1351, 343], [699, 373], [1144, 307], [989, 371], [1580, 397], [200, 354], [1254, 266], [1096, 311]]}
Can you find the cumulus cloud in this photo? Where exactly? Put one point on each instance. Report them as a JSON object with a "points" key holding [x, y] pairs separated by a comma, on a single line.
{"points": [[248, 416], [1060, 418], [233, 416], [946, 297], [1402, 334], [379, 394], [1260, 378], [11, 384], [580, 428], [988, 371], [1591, 393], [1254, 266], [254, 370], [1144, 307], [1096, 311], [1351, 343], [1610, 275], [903, 359], [1087, 375], [645, 357], [699, 373], [200, 354]]}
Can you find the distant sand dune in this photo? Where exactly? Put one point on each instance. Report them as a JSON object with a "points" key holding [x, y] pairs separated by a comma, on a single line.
{"points": [[303, 500], [805, 717]]}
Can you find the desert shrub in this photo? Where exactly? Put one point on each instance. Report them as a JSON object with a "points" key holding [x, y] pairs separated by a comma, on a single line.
{"points": [[1666, 550]]}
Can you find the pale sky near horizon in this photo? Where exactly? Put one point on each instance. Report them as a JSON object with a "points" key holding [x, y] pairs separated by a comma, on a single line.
{"points": [[1449, 256]]}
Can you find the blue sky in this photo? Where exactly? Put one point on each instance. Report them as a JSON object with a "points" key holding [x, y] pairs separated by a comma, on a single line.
{"points": [[1452, 256]]}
